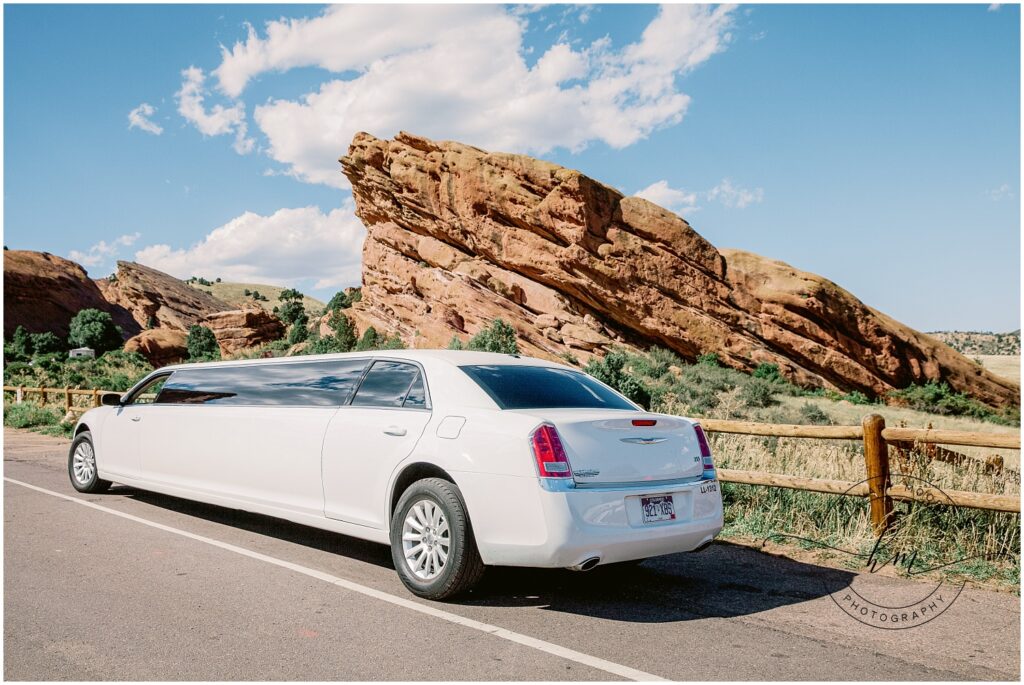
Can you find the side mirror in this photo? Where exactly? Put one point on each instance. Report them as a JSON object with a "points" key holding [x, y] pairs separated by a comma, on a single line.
{"points": [[110, 399]]}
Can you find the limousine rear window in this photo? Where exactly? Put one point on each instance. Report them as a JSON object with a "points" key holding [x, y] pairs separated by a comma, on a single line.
{"points": [[305, 384], [392, 384], [543, 387]]}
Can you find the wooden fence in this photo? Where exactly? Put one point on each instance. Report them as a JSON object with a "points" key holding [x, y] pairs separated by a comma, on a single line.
{"points": [[876, 485], [872, 432]]}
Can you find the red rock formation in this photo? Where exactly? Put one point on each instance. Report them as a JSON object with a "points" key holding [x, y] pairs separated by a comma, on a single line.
{"points": [[160, 346], [43, 292], [458, 237], [158, 300], [243, 328]]}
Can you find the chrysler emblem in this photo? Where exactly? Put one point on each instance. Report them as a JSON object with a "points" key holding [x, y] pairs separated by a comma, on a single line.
{"points": [[643, 441]]}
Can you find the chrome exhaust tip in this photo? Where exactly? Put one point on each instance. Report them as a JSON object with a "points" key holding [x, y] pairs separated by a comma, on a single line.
{"points": [[586, 565]]}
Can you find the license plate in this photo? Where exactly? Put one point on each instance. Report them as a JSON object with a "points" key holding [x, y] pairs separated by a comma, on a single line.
{"points": [[657, 509]]}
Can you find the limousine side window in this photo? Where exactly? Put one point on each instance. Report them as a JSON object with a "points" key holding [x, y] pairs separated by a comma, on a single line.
{"points": [[304, 384], [392, 384], [148, 393]]}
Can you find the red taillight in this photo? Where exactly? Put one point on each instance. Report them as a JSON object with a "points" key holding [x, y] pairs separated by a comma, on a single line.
{"points": [[549, 453], [644, 422], [705, 452]]}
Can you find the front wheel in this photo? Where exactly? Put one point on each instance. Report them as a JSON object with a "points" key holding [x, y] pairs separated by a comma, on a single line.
{"points": [[82, 465], [432, 542]]}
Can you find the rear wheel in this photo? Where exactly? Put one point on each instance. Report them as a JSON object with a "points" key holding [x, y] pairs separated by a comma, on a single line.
{"points": [[432, 542], [82, 465]]}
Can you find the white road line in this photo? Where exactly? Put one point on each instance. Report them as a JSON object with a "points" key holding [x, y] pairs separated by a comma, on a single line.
{"points": [[624, 672]]}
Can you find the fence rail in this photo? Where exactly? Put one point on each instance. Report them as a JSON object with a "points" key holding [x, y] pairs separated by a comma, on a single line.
{"points": [[877, 483], [872, 432]]}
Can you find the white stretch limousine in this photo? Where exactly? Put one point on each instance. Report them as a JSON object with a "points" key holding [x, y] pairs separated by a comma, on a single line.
{"points": [[456, 459]]}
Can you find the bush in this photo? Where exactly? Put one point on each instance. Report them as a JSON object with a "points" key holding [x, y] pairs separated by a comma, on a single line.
{"points": [[611, 370], [455, 343], [656, 363], [20, 346], [299, 331], [813, 414], [343, 339], [27, 415], [290, 295], [368, 341], [768, 372], [498, 337], [291, 311], [856, 397], [709, 359], [202, 344], [95, 329], [758, 393], [939, 398], [47, 343]]}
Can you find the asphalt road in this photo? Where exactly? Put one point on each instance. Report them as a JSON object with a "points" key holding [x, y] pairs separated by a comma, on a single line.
{"points": [[137, 586]]}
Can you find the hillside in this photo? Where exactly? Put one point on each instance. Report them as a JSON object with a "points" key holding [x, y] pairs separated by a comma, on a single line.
{"points": [[973, 343], [234, 294], [458, 236]]}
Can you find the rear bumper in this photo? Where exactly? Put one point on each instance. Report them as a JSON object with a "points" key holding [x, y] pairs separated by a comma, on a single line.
{"points": [[572, 525]]}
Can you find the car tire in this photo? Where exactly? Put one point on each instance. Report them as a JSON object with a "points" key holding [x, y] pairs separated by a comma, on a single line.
{"points": [[432, 541], [82, 465]]}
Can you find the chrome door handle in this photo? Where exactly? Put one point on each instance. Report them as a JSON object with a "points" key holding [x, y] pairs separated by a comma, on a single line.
{"points": [[136, 418], [394, 430]]}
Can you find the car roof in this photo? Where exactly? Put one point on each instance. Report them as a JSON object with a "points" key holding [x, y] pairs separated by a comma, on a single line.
{"points": [[450, 357]]}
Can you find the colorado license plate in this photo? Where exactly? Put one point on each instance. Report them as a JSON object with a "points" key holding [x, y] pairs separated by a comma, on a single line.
{"points": [[657, 509]]}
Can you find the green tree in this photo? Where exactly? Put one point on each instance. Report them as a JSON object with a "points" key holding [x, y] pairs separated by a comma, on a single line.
{"points": [[95, 329], [202, 344], [369, 340], [291, 311], [343, 299], [20, 346], [300, 329], [290, 294], [47, 343], [498, 337]]}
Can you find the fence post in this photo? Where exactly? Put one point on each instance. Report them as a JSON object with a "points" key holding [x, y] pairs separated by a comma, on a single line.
{"points": [[67, 401], [19, 395], [95, 398], [876, 465], [42, 397]]}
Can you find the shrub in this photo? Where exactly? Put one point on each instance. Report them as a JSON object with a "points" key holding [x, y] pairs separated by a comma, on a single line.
{"points": [[299, 331], [939, 398], [290, 295], [813, 414], [611, 370], [27, 415], [656, 363], [291, 311], [368, 341], [758, 393], [768, 372], [343, 339], [708, 359], [95, 329], [20, 346], [455, 343], [202, 344], [498, 337], [856, 397], [47, 343]]}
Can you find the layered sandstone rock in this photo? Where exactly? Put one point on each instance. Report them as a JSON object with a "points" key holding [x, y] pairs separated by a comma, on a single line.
{"points": [[160, 346], [458, 237], [239, 329], [158, 300], [43, 292]]}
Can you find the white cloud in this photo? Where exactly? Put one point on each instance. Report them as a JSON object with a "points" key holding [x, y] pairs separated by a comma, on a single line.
{"points": [[1001, 192], [734, 196], [103, 251], [140, 118], [288, 247], [218, 121], [455, 72], [683, 201], [677, 200]]}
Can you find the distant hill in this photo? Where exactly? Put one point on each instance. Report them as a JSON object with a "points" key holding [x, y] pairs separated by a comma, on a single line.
{"points": [[234, 294], [980, 342]]}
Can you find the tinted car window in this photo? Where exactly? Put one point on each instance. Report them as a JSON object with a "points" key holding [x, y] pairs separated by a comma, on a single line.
{"points": [[542, 387], [388, 384], [417, 397], [322, 384], [148, 393]]}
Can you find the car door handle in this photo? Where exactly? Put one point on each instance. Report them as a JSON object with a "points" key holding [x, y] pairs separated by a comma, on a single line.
{"points": [[136, 418], [394, 430]]}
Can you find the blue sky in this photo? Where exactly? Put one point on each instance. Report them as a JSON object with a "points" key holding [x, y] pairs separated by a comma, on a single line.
{"points": [[878, 146]]}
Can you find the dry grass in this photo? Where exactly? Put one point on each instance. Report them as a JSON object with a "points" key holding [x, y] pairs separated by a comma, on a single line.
{"points": [[1005, 365]]}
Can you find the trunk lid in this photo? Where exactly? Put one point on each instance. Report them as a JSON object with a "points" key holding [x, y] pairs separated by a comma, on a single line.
{"points": [[606, 447]]}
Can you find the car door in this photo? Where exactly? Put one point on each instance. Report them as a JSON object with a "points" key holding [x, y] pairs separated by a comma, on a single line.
{"points": [[369, 437], [119, 449]]}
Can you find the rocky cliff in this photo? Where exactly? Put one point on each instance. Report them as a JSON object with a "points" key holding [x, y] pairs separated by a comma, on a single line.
{"points": [[43, 292], [158, 300], [458, 236]]}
